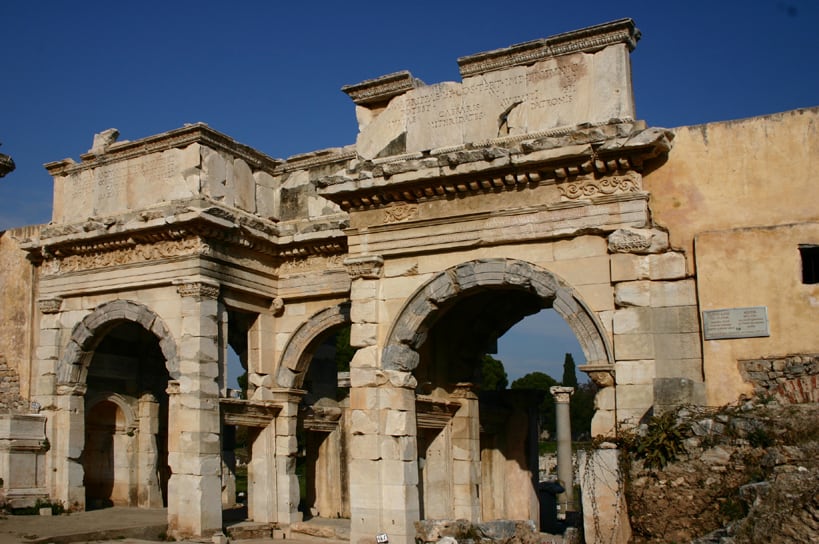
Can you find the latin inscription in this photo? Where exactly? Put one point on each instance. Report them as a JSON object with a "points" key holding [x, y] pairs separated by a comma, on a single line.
{"points": [[736, 323], [482, 101], [103, 189]]}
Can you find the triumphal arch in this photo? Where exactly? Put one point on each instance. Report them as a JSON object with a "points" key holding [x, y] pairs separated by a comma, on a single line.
{"points": [[461, 208]]}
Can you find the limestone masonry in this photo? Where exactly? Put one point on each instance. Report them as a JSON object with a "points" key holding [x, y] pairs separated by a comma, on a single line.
{"points": [[461, 208]]}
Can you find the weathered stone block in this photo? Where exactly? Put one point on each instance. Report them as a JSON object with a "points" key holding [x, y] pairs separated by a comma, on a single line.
{"points": [[365, 446], [398, 423], [635, 372], [394, 472], [667, 266], [580, 247], [633, 346], [690, 369], [627, 267], [632, 293], [363, 334], [364, 311], [673, 293], [678, 391], [633, 321], [605, 399], [677, 346], [364, 422], [634, 396]]}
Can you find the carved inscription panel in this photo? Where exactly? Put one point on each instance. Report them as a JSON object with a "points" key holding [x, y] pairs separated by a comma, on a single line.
{"points": [[120, 186], [557, 92]]}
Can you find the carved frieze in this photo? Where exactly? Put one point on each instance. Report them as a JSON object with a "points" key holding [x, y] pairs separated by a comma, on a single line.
{"points": [[590, 187], [103, 256], [396, 214], [312, 263]]}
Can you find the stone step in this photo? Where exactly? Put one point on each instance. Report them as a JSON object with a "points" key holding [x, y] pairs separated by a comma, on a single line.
{"points": [[249, 530]]}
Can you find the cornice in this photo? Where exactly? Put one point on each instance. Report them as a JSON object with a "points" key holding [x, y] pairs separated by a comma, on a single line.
{"points": [[381, 89], [499, 166], [586, 40], [178, 138], [208, 231]]}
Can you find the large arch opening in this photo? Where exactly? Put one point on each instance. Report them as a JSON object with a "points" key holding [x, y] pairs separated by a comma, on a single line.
{"points": [[317, 360], [477, 451], [117, 365], [125, 457]]}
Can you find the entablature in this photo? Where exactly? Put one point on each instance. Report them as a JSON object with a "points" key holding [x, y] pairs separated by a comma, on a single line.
{"points": [[504, 164]]}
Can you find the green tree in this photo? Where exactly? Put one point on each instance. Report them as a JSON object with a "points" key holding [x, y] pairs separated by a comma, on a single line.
{"points": [[569, 374], [541, 382], [344, 351], [493, 373], [582, 409]]}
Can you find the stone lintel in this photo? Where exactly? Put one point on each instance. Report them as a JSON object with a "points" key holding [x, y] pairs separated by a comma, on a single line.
{"points": [[380, 90], [585, 40], [248, 413], [179, 138], [434, 413]]}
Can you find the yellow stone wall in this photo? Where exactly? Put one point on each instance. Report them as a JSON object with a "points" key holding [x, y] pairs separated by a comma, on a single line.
{"points": [[740, 196]]}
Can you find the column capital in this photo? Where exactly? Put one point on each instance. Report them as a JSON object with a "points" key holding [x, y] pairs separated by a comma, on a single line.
{"points": [[368, 267], [74, 389], [50, 305], [561, 393], [197, 288]]}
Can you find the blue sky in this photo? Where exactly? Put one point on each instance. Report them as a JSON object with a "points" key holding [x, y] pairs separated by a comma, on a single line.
{"points": [[269, 73]]}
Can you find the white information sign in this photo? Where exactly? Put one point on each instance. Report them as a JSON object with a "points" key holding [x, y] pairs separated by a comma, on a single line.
{"points": [[736, 323]]}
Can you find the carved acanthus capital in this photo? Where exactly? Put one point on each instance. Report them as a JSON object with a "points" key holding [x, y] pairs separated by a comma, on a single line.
{"points": [[198, 288], [368, 267], [50, 305], [561, 394]]}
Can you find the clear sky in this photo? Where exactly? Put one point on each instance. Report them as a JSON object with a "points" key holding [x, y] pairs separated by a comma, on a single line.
{"points": [[269, 73]]}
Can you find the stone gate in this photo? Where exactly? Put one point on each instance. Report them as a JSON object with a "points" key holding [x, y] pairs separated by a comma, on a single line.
{"points": [[461, 208]]}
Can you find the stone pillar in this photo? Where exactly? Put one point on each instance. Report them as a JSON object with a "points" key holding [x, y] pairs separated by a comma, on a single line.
{"points": [[149, 494], [262, 488], [383, 442], [383, 456], [68, 440], [564, 447], [605, 512], [286, 450], [466, 454], [44, 390], [194, 452]]}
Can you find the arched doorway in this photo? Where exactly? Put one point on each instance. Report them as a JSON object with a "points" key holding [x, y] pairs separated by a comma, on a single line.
{"points": [[317, 360], [115, 371], [477, 453], [125, 458]]}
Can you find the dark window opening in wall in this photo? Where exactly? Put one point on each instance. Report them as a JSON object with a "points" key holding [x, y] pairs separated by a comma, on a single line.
{"points": [[810, 263]]}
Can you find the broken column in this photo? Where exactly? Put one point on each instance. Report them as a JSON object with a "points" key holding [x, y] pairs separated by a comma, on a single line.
{"points": [[565, 500]]}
